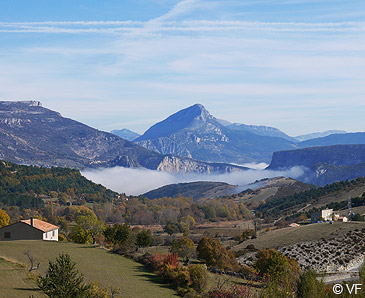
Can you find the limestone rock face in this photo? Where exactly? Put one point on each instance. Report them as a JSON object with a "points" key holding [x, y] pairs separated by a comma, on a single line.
{"points": [[32, 134]]}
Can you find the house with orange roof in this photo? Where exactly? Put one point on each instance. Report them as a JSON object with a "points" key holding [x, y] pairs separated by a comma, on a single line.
{"points": [[30, 229]]}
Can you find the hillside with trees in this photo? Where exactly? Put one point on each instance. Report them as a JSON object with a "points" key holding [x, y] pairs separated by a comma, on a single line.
{"points": [[25, 186]]}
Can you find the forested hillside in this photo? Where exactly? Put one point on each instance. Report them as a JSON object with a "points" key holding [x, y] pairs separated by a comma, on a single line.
{"points": [[24, 186]]}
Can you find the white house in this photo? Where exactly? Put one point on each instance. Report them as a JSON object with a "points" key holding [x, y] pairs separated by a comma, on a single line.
{"points": [[30, 229], [325, 214]]}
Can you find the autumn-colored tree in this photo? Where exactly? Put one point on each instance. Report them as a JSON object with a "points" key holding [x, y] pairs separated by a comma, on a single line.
{"points": [[91, 225], [183, 246], [214, 254], [186, 224], [4, 218], [283, 273]]}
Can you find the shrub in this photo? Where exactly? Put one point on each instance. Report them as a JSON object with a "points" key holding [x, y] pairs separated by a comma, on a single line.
{"points": [[199, 277]]}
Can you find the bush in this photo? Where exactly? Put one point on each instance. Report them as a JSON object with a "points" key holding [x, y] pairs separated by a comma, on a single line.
{"points": [[199, 277]]}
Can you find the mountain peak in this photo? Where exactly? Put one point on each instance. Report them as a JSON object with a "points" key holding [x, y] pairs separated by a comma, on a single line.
{"points": [[188, 117]]}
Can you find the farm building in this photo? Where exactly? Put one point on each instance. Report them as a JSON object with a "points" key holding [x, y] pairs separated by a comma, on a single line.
{"points": [[325, 214], [30, 229]]}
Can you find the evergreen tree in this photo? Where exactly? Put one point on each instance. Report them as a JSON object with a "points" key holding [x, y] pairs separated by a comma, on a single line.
{"points": [[63, 280]]}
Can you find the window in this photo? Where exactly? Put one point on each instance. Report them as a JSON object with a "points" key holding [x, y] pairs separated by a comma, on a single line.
{"points": [[7, 235], [45, 235], [53, 233]]}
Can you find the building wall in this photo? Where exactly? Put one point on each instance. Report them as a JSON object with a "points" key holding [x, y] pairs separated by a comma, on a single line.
{"points": [[327, 214], [21, 231], [51, 235]]}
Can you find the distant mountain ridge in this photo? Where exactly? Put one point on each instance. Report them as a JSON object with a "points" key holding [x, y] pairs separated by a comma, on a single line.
{"points": [[126, 134], [316, 135], [326, 164], [31, 134], [335, 139]]}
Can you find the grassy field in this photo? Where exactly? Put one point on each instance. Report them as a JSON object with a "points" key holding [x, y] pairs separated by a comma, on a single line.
{"points": [[312, 232], [96, 264], [14, 281]]}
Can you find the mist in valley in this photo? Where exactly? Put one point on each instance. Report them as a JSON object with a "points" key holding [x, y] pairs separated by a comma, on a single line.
{"points": [[133, 181]]}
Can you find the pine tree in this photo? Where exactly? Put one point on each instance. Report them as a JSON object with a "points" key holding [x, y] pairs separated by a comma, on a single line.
{"points": [[63, 280]]}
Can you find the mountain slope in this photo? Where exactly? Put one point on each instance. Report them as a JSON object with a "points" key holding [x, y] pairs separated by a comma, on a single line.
{"points": [[31, 134], [194, 132], [195, 190]]}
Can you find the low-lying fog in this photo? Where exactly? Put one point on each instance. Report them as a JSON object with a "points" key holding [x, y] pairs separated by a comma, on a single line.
{"points": [[138, 181]]}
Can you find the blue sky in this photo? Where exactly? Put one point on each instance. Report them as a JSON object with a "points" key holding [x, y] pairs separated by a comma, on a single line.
{"points": [[297, 65]]}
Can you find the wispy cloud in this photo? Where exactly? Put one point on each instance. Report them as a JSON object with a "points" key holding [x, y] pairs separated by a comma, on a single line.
{"points": [[163, 25], [255, 62]]}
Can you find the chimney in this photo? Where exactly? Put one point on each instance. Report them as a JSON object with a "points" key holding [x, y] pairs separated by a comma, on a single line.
{"points": [[32, 221]]}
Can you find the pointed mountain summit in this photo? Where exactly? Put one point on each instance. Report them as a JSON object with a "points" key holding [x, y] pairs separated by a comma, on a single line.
{"points": [[190, 118], [193, 132]]}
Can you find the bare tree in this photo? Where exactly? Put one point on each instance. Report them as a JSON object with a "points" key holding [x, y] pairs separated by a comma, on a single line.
{"points": [[32, 261]]}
